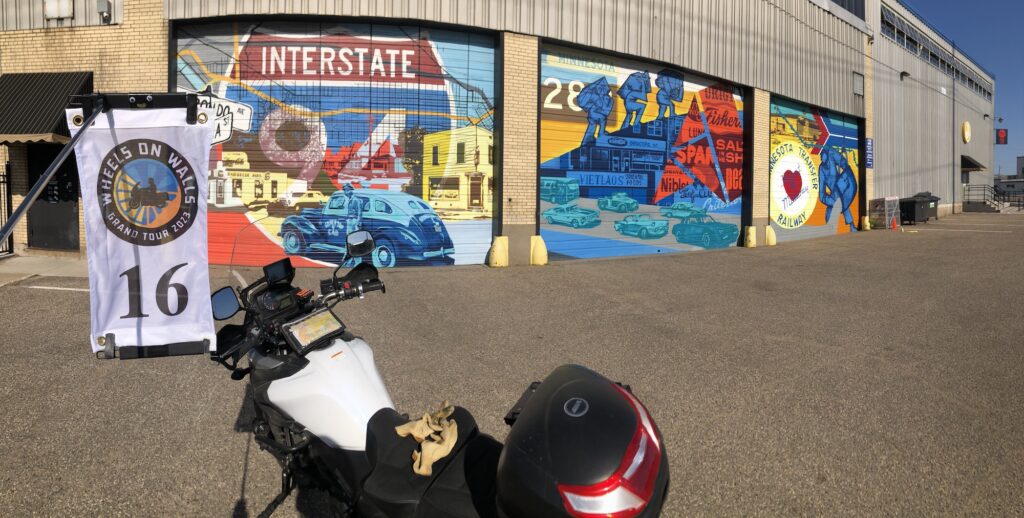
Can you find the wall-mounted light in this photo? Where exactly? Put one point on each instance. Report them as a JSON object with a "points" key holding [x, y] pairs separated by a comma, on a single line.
{"points": [[904, 75], [104, 9]]}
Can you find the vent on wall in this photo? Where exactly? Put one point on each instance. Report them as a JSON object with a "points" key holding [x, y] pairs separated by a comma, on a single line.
{"points": [[858, 84], [58, 9]]}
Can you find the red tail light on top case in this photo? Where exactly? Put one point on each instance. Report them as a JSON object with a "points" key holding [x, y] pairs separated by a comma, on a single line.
{"points": [[627, 491]]}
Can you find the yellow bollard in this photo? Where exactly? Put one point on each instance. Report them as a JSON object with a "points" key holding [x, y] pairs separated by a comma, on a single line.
{"points": [[538, 251], [769, 235], [497, 256], [750, 237], [865, 223]]}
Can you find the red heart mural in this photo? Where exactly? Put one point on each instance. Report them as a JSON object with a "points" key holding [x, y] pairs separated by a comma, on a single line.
{"points": [[792, 182]]}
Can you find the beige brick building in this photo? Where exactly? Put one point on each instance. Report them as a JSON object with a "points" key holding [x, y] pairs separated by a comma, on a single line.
{"points": [[130, 56]]}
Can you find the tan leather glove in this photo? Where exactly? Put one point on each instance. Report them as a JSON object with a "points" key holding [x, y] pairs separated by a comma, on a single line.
{"points": [[436, 434], [435, 448]]}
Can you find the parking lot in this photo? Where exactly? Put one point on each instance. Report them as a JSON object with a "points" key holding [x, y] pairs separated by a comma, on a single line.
{"points": [[874, 374]]}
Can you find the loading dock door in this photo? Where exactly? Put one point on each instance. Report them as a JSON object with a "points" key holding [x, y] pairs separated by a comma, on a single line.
{"points": [[53, 218]]}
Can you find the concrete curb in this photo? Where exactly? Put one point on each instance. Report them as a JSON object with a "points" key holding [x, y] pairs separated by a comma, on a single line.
{"points": [[11, 278]]}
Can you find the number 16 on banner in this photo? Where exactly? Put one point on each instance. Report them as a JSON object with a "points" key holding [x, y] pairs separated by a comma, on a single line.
{"points": [[163, 289], [144, 185]]}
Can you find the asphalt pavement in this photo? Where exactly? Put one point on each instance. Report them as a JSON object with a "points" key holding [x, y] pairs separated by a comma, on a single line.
{"points": [[870, 374]]}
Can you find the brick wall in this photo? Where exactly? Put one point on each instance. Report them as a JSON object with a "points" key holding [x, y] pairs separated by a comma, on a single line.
{"points": [[760, 155], [128, 57], [520, 74], [16, 158]]}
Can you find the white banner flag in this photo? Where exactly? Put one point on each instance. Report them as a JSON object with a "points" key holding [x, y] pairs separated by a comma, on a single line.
{"points": [[144, 181]]}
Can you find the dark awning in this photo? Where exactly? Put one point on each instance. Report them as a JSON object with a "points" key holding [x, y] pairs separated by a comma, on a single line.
{"points": [[968, 164], [32, 105]]}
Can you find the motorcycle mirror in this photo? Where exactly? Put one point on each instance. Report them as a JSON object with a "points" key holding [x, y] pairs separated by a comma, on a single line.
{"points": [[359, 243], [224, 303]]}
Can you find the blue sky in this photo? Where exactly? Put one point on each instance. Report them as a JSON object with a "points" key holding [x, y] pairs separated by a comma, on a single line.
{"points": [[989, 31]]}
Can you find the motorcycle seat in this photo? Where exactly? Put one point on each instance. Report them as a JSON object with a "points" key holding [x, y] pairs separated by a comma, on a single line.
{"points": [[392, 489]]}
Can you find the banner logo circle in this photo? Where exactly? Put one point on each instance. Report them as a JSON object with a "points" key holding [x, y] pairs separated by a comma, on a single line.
{"points": [[794, 186], [147, 192]]}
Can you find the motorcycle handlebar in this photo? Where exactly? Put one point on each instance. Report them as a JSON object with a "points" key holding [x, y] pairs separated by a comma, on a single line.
{"points": [[359, 290]]}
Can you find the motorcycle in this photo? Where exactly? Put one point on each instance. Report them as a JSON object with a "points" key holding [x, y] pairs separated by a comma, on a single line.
{"points": [[147, 197], [579, 444]]}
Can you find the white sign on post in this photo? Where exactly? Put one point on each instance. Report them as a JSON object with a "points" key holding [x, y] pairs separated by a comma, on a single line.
{"points": [[143, 177]]}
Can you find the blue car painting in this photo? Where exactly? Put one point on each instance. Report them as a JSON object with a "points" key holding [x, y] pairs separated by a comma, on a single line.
{"points": [[406, 230]]}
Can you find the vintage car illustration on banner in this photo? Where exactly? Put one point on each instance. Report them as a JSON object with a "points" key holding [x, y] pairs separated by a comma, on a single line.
{"points": [[642, 226], [680, 209], [618, 202], [406, 230], [702, 230], [572, 216]]}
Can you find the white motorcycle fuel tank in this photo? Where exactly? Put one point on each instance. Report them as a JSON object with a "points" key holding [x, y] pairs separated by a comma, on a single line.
{"points": [[335, 395]]}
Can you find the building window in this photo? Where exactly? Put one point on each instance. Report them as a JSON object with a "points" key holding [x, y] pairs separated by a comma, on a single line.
{"points": [[258, 190], [490, 155], [899, 30], [460, 153], [856, 7], [888, 30], [654, 128], [273, 189], [236, 188], [434, 155]]}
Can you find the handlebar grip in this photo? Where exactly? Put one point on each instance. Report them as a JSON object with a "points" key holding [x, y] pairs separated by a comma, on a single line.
{"points": [[361, 289], [374, 285]]}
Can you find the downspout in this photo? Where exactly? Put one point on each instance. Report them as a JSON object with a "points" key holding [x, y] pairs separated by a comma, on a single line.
{"points": [[952, 205]]}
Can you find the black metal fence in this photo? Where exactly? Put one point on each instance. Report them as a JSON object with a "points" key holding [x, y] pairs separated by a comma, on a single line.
{"points": [[993, 197]]}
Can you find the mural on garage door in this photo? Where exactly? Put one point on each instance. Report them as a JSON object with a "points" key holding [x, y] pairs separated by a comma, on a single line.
{"points": [[324, 128], [814, 171], [636, 158]]}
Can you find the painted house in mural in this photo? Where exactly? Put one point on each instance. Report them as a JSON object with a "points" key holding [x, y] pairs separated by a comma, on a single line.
{"points": [[234, 184], [458, 170], [629, 160]]}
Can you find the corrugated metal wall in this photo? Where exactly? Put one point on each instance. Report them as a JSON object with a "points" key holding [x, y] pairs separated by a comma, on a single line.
{"points": [[918, 139], [972, 108], [790, 47], [28, 14], [912, 151]]}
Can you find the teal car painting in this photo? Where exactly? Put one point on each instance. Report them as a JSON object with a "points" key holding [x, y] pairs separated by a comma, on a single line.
{"points": [[618, 202], [573, 216], [702, 230], [559, 190], [642, 226], [680, 209]]}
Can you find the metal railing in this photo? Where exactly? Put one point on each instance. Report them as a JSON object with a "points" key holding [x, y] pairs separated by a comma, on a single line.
{"points": [[6, 200], [992, 197]]}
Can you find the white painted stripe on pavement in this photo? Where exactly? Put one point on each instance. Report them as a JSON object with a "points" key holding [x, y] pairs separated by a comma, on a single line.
{"points": [[58, 288], [979, 224], [239, 277], [962, 230]]}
